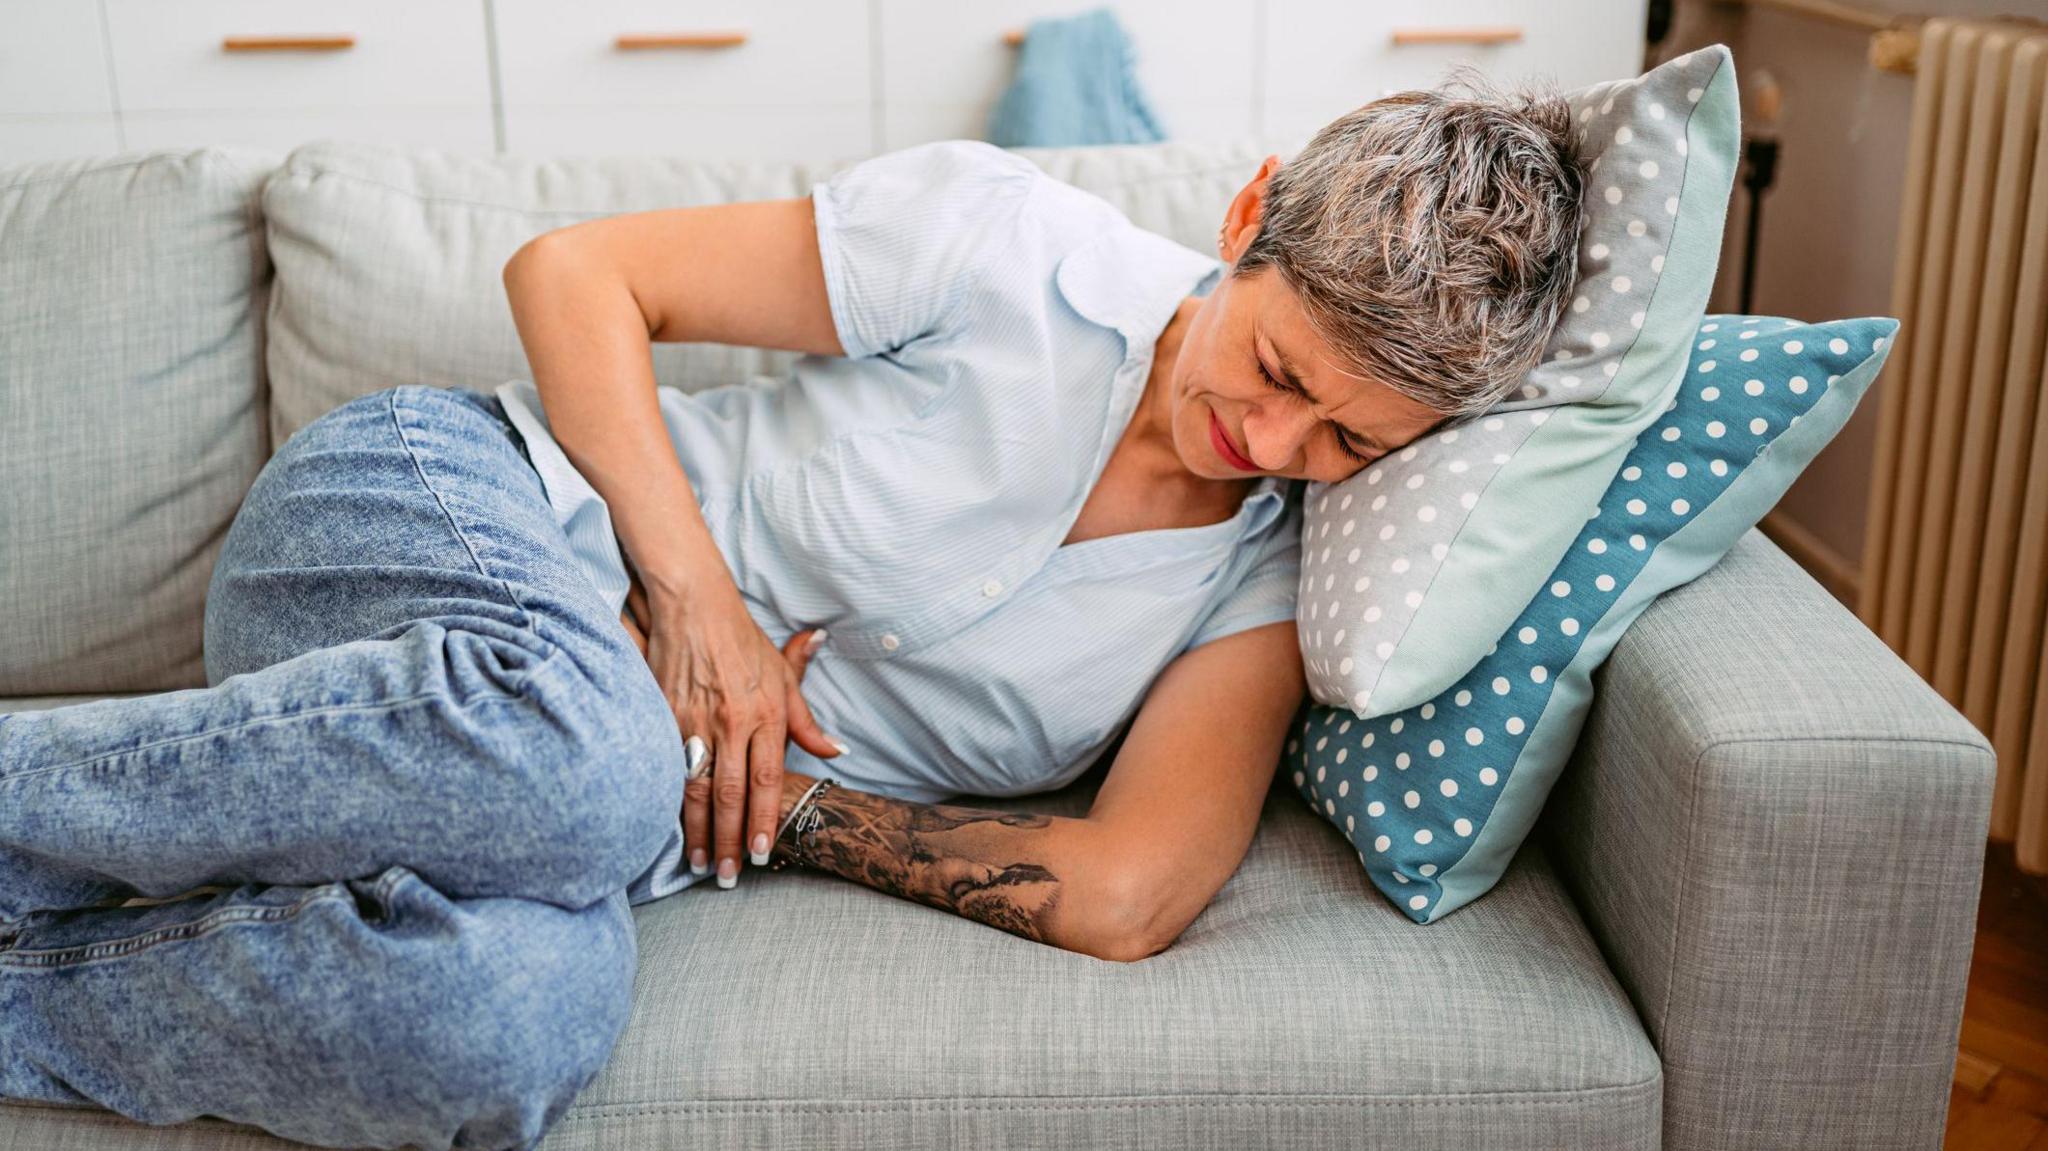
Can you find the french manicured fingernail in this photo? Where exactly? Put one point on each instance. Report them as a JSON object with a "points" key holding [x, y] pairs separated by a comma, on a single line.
{"points": [[839, 743], [817, 637], [728, 872], [760, 856], [699, 864]]}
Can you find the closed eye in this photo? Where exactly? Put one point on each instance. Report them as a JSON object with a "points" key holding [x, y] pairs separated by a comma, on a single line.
{"points": [[1343, 441]]}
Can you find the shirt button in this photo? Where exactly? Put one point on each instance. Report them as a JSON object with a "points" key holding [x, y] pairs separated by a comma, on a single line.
{"points": [[992, 588], [890, 641]]}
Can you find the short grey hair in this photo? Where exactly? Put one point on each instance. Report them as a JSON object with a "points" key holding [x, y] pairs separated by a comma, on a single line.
{"points": [[1432, 238]]}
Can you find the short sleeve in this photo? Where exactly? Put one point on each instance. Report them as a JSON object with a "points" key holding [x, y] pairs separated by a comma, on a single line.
{"points": [[903, 235], [1267, 591]]}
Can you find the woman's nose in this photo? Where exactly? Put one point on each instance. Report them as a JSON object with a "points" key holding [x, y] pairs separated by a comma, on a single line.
{"points": [[1273, 436]]}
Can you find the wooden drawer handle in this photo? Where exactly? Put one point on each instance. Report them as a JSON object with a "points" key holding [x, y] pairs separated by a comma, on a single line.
{"points": [[1500, 35], [286, 43], [1015, 36], [632, 41]]}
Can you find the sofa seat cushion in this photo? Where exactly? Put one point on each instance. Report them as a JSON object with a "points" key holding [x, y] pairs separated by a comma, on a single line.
{"points": [[800, 1009]]}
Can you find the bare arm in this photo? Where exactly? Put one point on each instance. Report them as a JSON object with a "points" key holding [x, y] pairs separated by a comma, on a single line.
{"points": [[1042, 877], [1182, 799], [1168, 828], [589, 299]]}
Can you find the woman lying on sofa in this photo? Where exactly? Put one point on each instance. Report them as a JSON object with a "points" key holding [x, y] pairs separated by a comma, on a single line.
{"points": [[1039, 474], [1047, 482]]}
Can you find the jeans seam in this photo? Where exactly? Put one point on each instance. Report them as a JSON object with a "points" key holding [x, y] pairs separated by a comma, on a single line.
{"points": [[419, 469], [261, 719], [136, 944]]}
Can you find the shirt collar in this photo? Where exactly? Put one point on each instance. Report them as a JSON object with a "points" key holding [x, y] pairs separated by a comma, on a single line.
{"points": [[1131, 280]]}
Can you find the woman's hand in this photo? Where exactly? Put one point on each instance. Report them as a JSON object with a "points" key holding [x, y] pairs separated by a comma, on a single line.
{"points": [[729, 684]]}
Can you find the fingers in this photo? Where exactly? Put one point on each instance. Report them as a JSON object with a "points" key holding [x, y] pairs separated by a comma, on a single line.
{"points": [[633, 630], [636, 598], [737, 806], [728, 799], [803, 726], [764, 789], [697, 822]]}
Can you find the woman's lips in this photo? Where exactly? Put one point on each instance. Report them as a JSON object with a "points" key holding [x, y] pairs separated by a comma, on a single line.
{"points": [[1223, 448]]}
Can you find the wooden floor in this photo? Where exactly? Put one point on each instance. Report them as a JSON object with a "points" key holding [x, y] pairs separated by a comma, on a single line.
{"points": [[2000, 1098]]}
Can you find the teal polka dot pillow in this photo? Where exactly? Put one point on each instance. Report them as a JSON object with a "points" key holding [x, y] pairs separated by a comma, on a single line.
{"points": [[1436, 798]]}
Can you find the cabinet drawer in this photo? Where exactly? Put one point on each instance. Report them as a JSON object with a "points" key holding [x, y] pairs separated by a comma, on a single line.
{"points": [[406, 53], [712, 133], [1326, 57], [903, 125], [52, 61], [33, 141], [797, 53], [454, 129], [945, 64]]}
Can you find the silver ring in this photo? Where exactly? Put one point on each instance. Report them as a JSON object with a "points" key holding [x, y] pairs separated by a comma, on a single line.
{"points": [[696, 757]]}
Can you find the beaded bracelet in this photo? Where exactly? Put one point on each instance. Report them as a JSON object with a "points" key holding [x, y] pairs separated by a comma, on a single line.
{"points": [[798, 811]]}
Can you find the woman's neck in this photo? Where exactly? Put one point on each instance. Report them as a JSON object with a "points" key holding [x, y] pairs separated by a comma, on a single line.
{"points": [[1147, 448], [1149, 438]]}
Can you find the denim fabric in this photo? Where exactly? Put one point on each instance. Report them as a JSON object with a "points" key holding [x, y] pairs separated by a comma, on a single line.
{"points": [[429, 763]]}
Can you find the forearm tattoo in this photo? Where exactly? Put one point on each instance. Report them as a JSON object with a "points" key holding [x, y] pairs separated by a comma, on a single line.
{"points": [[971, 861]]}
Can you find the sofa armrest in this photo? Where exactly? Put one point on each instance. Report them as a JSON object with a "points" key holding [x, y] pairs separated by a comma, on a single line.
{"points": [[1776, 830]]}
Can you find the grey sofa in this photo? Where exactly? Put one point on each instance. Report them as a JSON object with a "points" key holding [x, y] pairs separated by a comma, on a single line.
{"points": [[1745, 920]]}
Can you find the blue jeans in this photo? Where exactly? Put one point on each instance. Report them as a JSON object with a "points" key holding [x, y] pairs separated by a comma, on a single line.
{"points": [[428, 765]]}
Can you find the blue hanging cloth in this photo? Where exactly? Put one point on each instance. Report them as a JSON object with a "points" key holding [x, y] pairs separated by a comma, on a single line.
{"points": [[1076, 83]]}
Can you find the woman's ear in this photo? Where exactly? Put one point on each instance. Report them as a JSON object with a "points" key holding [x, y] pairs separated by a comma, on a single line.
{"points": [[1241, 219]]}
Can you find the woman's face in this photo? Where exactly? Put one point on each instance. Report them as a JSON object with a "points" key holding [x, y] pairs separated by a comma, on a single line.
{"points": [[1231, 382], [1252, 374]]}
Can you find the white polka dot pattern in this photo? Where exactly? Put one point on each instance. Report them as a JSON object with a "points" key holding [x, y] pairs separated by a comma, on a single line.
{"points": [[1476, 762], [1376, 546]]}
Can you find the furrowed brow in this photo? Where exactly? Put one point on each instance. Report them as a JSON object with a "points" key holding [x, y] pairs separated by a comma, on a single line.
{"points": [[1294, 381]]}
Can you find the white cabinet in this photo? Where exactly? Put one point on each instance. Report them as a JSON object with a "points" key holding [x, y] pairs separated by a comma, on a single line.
{"points": [[743, 134], [945, 64], [1326, 57], [33, 139], [455, 129], [412, 71], [55, 97], [788, 79], [819, 80]]}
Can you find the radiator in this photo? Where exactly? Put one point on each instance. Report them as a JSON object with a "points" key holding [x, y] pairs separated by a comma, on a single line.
{"points": [[1957, 545]]}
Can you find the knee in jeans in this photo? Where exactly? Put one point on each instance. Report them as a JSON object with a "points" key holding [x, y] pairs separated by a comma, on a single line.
{"points": [[620, 785], [517, 1014]]}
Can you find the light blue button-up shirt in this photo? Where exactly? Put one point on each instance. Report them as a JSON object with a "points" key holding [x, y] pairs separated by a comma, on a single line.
{"points": [[911, 496]]}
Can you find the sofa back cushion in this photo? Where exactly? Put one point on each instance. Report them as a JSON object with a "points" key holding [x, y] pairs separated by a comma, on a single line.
{"points": [[131, 409], [389, 260]]}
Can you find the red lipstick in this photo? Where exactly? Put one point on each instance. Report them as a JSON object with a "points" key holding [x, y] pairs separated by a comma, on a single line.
{"points": [[1221, 442]]}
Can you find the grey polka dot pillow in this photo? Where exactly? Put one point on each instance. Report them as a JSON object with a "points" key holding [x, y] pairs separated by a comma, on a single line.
{"points": [[1413, 567]]}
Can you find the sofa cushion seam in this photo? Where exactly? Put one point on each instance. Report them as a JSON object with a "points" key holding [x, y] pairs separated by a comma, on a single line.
{"points": [[1679, 904], [1719, 742], [1651, 1086], [290, 172], [594, 1111]]}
